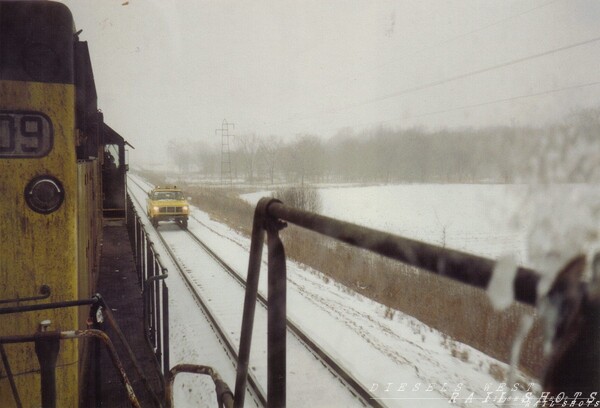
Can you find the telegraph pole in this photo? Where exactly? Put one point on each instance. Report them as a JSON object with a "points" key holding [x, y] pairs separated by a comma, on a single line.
{"points": [[225, 152]]}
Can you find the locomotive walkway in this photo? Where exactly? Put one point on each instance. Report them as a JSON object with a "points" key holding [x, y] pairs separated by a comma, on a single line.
{"points": [[118, 285]]}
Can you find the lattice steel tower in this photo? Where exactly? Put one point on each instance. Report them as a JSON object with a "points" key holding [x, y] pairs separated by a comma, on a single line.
{"points": [[225, 153]]}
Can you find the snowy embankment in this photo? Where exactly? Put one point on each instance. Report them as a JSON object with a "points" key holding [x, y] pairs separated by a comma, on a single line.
{"points": [[541, 226], [471, 218]]}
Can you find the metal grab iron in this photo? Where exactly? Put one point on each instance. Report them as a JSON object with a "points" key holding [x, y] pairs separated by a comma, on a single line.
{"points": [[224, 394], [45, 293]]}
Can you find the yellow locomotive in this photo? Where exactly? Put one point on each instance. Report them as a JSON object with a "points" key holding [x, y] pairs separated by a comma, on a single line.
{"points": [[53, 149]]}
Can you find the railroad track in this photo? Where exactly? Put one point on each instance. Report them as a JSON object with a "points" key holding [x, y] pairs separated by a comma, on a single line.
{"points": [[336, 368], [255, 390], [348, 381]]}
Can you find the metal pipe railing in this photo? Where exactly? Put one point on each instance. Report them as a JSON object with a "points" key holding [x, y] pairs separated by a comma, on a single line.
{"points": [[47, 306], [252, 278], [151, 278], [47, 351], [97, 304], [466, 268], [276, 308], [224, 394], [277, 316], [269, 217], [45, 293]]}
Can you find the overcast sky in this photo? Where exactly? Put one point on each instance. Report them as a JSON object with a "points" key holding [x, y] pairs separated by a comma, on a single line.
{"points": [[174, 69]]}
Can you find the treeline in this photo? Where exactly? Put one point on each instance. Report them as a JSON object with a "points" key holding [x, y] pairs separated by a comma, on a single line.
{"points": [[565, 152]]}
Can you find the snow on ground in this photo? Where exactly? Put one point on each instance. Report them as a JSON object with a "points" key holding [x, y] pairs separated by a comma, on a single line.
{"points": [[541, 226], [471, 218], [401, 360]]}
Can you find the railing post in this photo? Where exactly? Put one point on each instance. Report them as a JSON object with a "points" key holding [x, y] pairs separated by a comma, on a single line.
{"points": [[47, 346], [277, 327], [95, 320], [138, 248], [143, 249], [165, 313], [150, 294], [158, 316], [256, 247]]}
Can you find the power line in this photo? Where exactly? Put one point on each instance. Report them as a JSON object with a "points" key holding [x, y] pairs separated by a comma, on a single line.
{"points": [[458, 77], [432, 46], [514, 98], [476, 105]]}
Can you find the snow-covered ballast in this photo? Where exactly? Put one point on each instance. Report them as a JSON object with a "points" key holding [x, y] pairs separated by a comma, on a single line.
{"points": [[571, 307]]}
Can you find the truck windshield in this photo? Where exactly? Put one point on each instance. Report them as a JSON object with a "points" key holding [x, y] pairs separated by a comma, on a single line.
{"points": [[168, 195]]}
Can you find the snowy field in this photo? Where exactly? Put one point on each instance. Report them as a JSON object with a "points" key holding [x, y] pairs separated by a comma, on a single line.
{"points": [[537, 226]]}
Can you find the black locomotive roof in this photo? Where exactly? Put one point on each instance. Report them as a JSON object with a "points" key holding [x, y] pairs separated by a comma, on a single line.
{"points": [[36, 42], [110, 136]]}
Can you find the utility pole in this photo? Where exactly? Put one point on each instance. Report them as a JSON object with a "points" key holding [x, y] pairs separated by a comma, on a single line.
{"points": [[225, 152]]}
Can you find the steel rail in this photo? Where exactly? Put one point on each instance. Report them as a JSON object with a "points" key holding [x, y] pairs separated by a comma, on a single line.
{"points": [[350, 381], [230, 347]]}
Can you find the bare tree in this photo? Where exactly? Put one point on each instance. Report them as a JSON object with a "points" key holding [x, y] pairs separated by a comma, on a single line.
{"points": [[269, 154], [248, 145]]}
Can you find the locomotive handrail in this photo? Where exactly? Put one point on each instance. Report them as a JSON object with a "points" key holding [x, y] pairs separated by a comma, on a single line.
{"points": [[151, 278], [45, 306], [224, 394], [276, 308], [466, 268], [271, 215], [136, 365], [45, 293], [149, 296], [95, 301], [48, 361]]}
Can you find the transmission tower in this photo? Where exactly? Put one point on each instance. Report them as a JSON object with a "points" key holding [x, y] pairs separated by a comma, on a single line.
{"points": [[225, 153]]}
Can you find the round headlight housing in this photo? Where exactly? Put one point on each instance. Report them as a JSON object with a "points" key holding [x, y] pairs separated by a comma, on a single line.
{"points": [[44, 194]]}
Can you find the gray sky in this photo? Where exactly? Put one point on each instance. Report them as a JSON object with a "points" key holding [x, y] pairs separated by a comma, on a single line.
{"points": [[174, 69]]}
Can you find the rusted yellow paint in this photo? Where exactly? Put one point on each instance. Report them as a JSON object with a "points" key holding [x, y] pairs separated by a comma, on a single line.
{"points": [[38, 249]]}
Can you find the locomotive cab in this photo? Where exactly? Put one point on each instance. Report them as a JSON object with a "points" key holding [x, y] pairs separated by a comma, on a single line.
{"points": [[114, 174]]}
